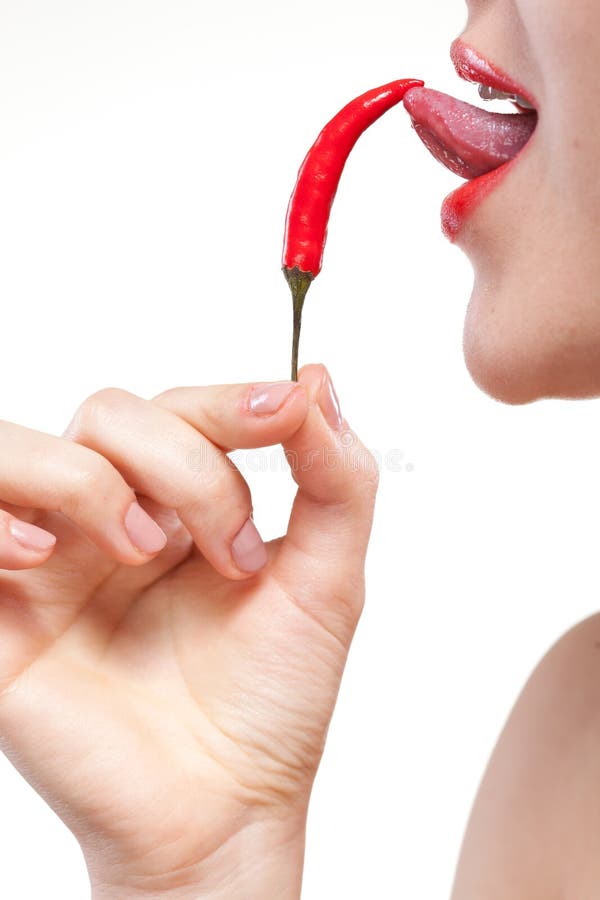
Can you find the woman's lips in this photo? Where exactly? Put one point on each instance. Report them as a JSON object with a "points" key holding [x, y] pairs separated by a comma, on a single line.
{"points": [[467, 140], [478, 145], [472, 66]]}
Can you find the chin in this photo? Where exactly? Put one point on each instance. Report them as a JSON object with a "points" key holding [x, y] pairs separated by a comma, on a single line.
{"points": [[495, 371], [516, 361]]}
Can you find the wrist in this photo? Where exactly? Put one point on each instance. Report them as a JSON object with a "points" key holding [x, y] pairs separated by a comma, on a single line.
{"points": [[262, 861]]}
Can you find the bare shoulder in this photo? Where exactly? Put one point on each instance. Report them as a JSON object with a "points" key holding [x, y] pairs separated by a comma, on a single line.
{"points": [[534, 831]]}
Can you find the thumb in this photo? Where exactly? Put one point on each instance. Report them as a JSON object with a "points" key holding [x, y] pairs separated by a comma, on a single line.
{"points": [[326, 542]]}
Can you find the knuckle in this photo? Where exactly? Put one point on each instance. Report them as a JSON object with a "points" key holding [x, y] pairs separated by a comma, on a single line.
{"points": [[220, 489], [97, 409], [90, 477], [229, 489], [369, 470], [106, 401], [351, 601], [169, 399]]}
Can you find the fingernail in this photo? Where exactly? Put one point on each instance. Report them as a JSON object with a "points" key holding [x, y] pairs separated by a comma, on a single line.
{"points": [[266, 399], [330, 405], [248, 549], [144, 533], [31, 537]]}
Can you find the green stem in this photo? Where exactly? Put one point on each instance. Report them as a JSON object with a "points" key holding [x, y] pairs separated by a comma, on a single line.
{"points": [[299, 283]]}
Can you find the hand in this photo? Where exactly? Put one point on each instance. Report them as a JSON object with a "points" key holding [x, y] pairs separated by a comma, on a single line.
{"points": [[168, 687]]}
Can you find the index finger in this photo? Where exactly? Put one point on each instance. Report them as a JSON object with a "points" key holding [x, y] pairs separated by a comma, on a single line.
{"points": [[240, 416]]}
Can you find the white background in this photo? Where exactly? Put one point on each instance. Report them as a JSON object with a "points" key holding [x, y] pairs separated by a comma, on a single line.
{"points": [[148, 151]]}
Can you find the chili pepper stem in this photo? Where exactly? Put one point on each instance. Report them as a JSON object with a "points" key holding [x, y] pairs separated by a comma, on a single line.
{"points": [[299, 283]]}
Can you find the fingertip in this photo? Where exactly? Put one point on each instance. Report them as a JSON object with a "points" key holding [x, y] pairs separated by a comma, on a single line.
{"points": [[295, 410], [266, 399], [319, 385], [270, 413], [23, 545], [145, 534], [31, 538], [248, 549], [312, 377]]}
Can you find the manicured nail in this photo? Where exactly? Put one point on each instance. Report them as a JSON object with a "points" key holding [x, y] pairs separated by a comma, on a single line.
{"points": [[144, 533], [266, 399], [31, 537], [248, 549], [330, 405]]}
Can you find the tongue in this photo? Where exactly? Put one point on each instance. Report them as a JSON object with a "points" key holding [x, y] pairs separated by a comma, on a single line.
{"points": [[467, 140]]}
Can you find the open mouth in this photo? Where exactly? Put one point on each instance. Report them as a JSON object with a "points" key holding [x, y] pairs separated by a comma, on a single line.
{"points": [[470, 141], [466, 139]]}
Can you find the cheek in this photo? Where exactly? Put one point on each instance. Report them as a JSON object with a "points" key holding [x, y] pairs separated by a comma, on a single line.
{"points": [[564, 40], [559, 30]]}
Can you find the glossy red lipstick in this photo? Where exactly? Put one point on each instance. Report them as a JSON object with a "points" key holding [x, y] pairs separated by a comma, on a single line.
{"points": [[462, 203], [471, 66]]}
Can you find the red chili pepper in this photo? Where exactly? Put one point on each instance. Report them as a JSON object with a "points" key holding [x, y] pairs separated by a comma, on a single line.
{"points": [[318, 179]]}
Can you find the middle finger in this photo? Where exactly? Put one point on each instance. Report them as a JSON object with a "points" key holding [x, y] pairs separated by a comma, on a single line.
{"points": [[165, 458]]}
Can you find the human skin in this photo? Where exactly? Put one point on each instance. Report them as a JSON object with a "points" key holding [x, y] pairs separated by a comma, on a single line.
{"points": [[533, 330], [206, 795], [534, 831], [169, 706]]}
